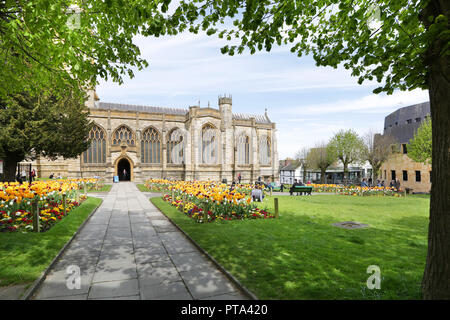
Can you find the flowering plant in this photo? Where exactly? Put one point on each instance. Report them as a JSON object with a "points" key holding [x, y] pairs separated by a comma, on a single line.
{"points": [[17, 201]]}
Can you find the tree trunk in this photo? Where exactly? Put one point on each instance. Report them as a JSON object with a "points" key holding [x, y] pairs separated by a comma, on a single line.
{"points": [[322, 175], [9, 169], [436, 278], [375, 171], [345, 174]]}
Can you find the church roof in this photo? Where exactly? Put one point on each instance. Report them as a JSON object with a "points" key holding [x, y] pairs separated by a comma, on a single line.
{"points": [[132, 107], [258, 118], [175, 111]]}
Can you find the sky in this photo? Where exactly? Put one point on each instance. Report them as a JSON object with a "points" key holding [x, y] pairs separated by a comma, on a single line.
{"points": [[308, 103]]}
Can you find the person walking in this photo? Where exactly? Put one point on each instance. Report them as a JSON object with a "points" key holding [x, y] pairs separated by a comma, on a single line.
{"points": [[239, 178], [124, 174], [19, 178], [364, 183]]}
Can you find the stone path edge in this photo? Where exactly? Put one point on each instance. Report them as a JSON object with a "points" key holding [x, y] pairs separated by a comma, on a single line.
{"points": [[251, 295], [29, 293]]}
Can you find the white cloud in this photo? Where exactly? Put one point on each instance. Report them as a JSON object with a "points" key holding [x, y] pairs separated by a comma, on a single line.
{"points": [[374, 103], [192, 66], [304, 126]]}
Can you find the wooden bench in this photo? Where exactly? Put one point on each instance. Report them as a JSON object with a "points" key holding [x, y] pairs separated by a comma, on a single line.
{"points": [[302, 189]]}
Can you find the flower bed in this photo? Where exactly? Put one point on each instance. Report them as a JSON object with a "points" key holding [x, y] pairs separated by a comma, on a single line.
{"points": [[16, 203], [210, 201], [164, 185], [356, 190]]}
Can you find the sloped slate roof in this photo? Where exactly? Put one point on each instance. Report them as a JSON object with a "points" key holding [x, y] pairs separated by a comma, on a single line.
{"points": [[258, 118], [290, 167], [148, 109], [175, 111]]}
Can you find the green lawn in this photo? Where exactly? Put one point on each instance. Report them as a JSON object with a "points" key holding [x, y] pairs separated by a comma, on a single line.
{"points": [[104, 188], [23, 256], [143, 188], [301, 256]]}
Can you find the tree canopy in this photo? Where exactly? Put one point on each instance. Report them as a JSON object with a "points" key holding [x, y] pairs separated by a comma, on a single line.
{"points": [[377, 149], [321, 157], [43, 125], [348, 147], [59, 43], [419, 148]]}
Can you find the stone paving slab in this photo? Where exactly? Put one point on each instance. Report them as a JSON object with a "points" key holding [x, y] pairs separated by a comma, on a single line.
{"points": [[114, 289], [13, 292], [129, 250], [165, 291]]}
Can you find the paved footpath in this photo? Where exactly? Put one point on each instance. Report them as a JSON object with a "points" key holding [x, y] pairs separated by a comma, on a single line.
{"points": [[130, 250]]}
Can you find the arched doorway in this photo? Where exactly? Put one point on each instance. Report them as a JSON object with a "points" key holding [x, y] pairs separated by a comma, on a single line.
{"points": [[124, 170]]}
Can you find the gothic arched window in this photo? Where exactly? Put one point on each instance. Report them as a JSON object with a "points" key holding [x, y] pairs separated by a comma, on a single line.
{"points": [[175, 147], [96, 153], [151, 146], [264, 150], [123, 134], [243, 149], [209, 143]]}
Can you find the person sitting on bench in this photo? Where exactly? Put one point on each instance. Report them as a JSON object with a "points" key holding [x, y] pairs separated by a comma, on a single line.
{"points": [[291, 191]]}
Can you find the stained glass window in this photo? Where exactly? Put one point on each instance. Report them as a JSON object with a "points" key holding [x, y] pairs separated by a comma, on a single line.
{"points": [[151, 146], [96, 153]]}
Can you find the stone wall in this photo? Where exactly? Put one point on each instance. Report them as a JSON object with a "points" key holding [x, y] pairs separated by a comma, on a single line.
{"points": [[191, 123], [398, 163]]}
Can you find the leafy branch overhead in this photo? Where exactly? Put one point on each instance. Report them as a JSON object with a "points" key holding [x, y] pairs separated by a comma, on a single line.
{"points": [[385, 40], [45, 44]]}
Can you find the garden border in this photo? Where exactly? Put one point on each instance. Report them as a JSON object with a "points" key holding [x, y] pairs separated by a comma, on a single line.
{"points": [[236, 282], [30, 291]]}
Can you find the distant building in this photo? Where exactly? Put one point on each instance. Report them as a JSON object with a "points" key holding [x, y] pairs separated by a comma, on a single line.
{"points": [[291, 172], [333, 175], [402, 124]]}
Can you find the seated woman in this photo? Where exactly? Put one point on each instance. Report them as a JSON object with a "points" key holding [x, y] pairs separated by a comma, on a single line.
{"points": [[257, 194]]}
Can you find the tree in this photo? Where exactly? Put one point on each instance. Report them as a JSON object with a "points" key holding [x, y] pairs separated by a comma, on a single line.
{"points": [[408, 48], [321, 158], [44, 125], [348, 147], [377, 149], [49, 44], [301, 158], [419, 148]]}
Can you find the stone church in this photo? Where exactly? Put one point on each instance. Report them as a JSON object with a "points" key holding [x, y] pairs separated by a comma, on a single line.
{"points": [[141, 142]]}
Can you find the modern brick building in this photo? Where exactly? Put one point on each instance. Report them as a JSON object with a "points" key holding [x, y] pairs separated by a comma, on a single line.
{"points": [[402, 124]]}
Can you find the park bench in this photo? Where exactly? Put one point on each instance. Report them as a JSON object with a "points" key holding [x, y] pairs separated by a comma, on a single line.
{"points": [[302, 189]]}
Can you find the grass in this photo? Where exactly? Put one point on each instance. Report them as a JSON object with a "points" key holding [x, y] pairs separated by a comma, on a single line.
{"points": [[143, 188], [104, 188], [301, 256], [24, 256]]}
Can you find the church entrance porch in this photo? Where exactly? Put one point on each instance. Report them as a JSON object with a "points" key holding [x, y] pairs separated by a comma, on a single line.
{"points": [[124, 170]]}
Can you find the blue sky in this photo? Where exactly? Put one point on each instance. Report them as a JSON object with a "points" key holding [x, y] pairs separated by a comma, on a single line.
{"points": [[307, 103]]}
